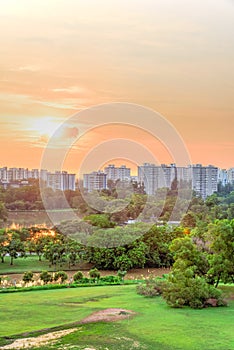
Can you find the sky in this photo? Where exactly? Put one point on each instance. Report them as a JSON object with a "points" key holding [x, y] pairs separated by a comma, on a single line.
{"points": [[58, 58]]}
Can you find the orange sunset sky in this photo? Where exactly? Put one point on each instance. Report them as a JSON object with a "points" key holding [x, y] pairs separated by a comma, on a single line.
{"points": [[59, 57]]}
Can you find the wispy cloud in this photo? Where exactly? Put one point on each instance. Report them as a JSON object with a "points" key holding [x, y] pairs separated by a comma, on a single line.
{"points": [[71, 105], [71, 90], [28, 68]]}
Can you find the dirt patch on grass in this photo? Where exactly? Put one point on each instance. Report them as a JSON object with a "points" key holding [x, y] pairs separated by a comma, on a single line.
{"points": [[108, 315], [42, 340]]}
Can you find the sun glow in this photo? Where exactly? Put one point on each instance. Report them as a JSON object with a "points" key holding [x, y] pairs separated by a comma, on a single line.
{"points": [[45, 126]]}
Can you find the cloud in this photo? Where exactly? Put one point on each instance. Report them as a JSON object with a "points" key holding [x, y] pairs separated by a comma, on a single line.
{"points": [[59, 105], [66, 132], [71, 90], [29, 68]]}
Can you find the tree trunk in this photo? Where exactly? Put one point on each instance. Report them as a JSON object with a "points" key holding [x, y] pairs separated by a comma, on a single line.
{"points": [[217, 283]]}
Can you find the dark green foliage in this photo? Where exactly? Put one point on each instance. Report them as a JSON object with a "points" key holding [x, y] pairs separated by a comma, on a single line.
{"points": [[151, 288], [28, 277], [185, 289], [121, 274], [190, 283], [78, 276], [60, 275], [94, 273], [3, 212], [46, 277], [220, 242], [109, 279], [99, 220]]}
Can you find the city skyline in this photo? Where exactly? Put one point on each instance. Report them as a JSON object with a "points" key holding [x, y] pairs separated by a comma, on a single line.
{"points": [[59, 58], [204, 180]]}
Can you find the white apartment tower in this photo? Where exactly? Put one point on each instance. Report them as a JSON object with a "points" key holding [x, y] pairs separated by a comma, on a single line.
{"points": [[114, 173], [230, 175], [95, 181], [204, 179]]}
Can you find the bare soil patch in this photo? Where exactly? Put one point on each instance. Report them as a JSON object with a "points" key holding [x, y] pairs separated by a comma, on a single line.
{"points": [[34, 342], [108, 315]]}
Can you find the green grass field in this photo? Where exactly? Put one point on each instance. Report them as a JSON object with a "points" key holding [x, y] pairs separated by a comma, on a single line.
{"points": [[30, 263], [155, 327], [20, 265]]}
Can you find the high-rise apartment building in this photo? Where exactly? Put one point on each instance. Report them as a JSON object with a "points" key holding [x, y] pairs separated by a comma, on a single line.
{"points": [[230, 175], [95, 181], [223, 177], [117, 173], [61, 181], [154, 177], [204, 179]]}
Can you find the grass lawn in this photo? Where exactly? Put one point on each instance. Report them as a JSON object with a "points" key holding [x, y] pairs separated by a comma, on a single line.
{"points": [[30, 263], [155, 327]]}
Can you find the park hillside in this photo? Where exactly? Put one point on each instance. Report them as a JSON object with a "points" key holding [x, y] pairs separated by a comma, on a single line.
{"points": [[63, 267]]}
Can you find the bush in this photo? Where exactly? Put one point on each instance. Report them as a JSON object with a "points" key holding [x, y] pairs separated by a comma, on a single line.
{"points": [[109, 279], [94, 273], [60, 275], [153, 287], [122, 274], [46, 277], [78, 276], [181, 290], [28, 277]]}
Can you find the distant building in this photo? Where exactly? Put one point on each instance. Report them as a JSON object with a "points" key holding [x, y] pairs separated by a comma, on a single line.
{"points": [[95, 181], [152, 176], [61, 181], [204, 179], [230, 175], [223, 176], [117, 173]]}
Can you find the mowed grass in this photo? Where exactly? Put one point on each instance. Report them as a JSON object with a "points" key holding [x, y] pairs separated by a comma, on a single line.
{"points": [[20, 265], [30, 263], [156, 326]]}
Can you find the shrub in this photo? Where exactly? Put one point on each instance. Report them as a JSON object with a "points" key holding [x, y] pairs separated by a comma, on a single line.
{"points": [[28, 277], [181, 290], [60, 275], [94, 273], [152, 287], [78, 276], [46, 277], [84, 280], [109, 279], [122, 274]]}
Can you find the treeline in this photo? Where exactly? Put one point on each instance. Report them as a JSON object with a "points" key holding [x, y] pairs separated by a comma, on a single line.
{"points": [[202, 261], [124, 204], [118, 248]]}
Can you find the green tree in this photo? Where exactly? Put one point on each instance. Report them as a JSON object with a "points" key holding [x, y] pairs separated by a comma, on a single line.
{"points": [[78, 276], [99, 220], [55, 252], [28, 277], [3, 212], [14, 246], [94, 273], [189, 220], [60, 275], [220, 240], [185, 289], [46, 277], [3, 244]]}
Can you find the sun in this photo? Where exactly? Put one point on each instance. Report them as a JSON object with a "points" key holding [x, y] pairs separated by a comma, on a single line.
{"points": [[45, 126]]}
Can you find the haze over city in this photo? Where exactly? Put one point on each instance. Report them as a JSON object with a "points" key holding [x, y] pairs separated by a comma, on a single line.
{"points": [[58, 58]]}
